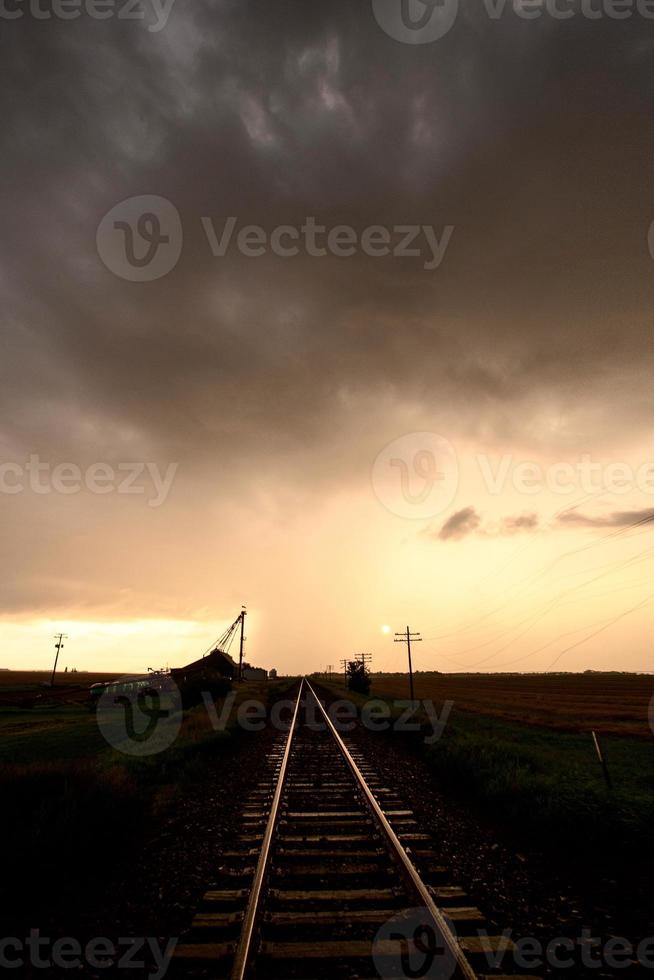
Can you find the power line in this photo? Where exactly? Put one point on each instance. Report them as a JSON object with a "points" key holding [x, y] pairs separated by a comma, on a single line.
{"points": [[533, 618], [646, 601], [596, 627], [535, 576], [406, 638]]}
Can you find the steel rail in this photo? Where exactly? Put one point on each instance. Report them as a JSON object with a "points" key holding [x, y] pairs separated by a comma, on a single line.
{"points": [[463, 968], [244, 948]]}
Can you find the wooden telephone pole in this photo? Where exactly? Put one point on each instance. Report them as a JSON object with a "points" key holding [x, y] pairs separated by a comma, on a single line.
{"points": [[406, 638], [59, 637]]}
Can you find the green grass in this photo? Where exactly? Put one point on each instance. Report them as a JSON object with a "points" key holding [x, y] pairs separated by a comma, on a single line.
{"points": [[72, 807], [544, 785], [49, 734], [549, 785]]}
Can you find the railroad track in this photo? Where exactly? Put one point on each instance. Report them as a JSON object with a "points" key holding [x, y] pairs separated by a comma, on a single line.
{"points": [[331, 877]]}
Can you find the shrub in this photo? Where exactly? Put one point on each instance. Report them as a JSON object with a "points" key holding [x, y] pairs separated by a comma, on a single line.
{"points": [[358, 677]]}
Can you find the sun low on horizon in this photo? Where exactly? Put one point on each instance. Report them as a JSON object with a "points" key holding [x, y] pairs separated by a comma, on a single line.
{"points": [[365, 361]]}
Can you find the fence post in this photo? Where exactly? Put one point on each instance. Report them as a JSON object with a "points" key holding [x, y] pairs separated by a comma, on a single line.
{"points": [[603, 764]]}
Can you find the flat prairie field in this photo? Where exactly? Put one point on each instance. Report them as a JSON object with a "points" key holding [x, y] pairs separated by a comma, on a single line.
{"points": [[30, 680], [608, 703]]}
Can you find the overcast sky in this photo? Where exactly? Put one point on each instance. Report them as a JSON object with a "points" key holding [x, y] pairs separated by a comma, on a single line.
{"points": [[261, 390]]}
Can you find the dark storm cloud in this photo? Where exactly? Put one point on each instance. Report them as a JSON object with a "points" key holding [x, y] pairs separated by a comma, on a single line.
{"points": [[468, 521], [528, 137], [618, 518], [460, 524], [272, 113], [523, 522]]}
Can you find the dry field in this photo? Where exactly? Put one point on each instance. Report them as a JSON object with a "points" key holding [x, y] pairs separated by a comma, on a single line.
{"points": [[29, 679], [22, 687], [609, 703]]}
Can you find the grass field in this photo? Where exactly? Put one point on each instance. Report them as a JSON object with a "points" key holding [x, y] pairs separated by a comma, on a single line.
{"points": [[63, 729], [520, 749], [68, 795], [38, 725], [612, 704], [31, 680]]}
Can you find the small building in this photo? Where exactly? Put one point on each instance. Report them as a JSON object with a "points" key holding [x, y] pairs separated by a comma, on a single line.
{"points": [[254, 673]]}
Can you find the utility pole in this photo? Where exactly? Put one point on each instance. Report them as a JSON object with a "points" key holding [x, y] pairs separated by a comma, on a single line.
{"points": [[365, 658], [344, 666], [59, 637], [240, 651], [406, 638]]}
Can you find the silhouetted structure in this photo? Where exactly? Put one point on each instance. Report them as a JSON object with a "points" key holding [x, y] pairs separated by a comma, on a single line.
{"points": [[216, 662]]}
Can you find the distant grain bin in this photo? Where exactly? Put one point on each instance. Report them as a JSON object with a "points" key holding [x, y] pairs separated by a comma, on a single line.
{"points": [[272, 674]]}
